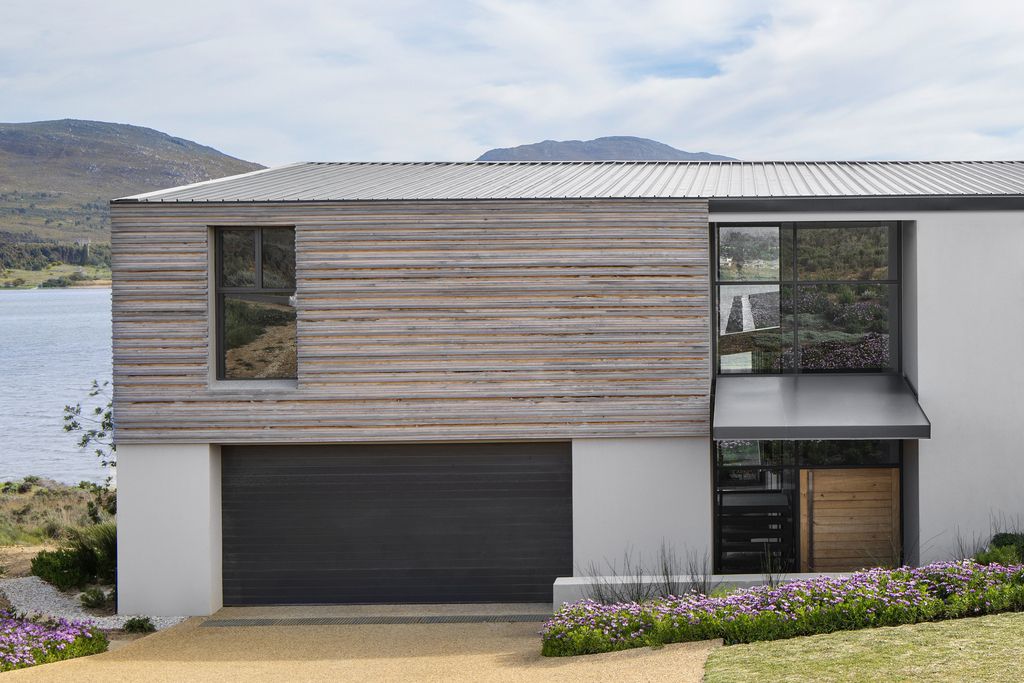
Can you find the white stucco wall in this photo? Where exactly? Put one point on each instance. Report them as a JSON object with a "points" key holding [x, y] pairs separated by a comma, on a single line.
{"points": [[635, 494], [970, 325], [963, 356], [168, 529]]}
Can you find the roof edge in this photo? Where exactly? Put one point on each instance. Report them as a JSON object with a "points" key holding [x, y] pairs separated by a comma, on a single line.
{"points": [[836, 203], [212, 181], [781, 204], [722, 162]]}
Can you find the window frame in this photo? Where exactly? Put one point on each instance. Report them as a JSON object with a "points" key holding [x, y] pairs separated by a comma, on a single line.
{"points": [[220, 292], [896, 282]]}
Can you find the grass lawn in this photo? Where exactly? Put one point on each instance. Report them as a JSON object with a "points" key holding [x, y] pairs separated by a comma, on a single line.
{"points": [[34, 278], [987, 648]]}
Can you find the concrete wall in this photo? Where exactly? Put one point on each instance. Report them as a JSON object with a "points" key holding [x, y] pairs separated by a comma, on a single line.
{"points": [[634, 494], [963, 356], [169, 529]]}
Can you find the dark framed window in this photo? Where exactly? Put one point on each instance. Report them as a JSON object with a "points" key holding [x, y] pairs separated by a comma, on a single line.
{"points": [[255, 297], [807, 297], [757, 488]]}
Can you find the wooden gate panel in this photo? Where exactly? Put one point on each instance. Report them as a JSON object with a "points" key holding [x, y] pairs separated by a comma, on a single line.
{"points": [[849, 518]]}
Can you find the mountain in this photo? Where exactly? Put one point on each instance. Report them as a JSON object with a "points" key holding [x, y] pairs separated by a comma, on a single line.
{"points": [[614, 148], [56, 177]]}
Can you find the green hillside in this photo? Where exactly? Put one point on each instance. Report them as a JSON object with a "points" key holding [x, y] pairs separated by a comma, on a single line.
{"points": [[56, 178]]}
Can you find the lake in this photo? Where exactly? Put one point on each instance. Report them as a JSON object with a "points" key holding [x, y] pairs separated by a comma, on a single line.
{"points": [[53, 343]]}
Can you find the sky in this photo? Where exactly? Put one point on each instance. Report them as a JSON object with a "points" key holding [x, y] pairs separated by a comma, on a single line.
{"points": [[342, 80]]}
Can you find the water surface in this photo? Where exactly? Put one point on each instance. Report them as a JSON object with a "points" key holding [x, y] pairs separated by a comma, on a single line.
{"points": [[53, 343]]}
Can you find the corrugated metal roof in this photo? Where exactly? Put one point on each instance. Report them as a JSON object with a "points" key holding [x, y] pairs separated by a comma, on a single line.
{"points": [[350, 181]]}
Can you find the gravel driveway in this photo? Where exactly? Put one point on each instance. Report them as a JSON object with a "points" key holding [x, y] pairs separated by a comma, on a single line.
{"points": [[422, 652]]}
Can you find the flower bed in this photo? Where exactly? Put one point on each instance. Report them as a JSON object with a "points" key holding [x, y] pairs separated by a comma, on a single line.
{"points": [[24, 642], [876, 597]]}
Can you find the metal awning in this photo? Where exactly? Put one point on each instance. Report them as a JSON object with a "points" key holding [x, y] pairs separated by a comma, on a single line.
{"points": [[817, 407]]}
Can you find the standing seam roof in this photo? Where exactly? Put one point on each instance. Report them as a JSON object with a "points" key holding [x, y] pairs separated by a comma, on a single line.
{"points": [[354, 181]]}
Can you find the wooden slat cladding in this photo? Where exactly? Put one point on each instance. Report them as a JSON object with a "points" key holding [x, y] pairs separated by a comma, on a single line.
{"points": [[428, 321]]}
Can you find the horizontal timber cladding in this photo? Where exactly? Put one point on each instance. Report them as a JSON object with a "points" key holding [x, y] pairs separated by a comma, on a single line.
{"points": [[468, 320], [396, 523]]}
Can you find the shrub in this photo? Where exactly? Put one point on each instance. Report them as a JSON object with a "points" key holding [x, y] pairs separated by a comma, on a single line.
{"points": [[94, 598], [51, 529], [25, 642], [62, 281], [89, 555], [995, 554], [138, 625], [1015, 540], [876, 597], [97, 547], [61, 568], [103, 503]]}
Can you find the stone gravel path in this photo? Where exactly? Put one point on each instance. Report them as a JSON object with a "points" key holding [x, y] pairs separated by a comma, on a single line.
{"points": [[32, 595]]}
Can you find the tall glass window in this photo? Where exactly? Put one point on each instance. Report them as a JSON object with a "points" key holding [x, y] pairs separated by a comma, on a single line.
{"points": [[256, 303], [807, 297]]}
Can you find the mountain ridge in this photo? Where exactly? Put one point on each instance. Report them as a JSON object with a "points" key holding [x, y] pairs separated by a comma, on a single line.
{"points": [[608, 148], [56, 177]]}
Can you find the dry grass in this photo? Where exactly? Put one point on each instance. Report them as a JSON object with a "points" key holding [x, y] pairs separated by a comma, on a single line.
{"points": [[34, 278], [39, 512], [16, 560], [981, 649]]}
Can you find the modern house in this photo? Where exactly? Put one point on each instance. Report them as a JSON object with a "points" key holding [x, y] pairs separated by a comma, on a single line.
{"points": [[439, 382]]}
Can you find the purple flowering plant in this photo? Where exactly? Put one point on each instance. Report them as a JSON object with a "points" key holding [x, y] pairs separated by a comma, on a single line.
{"points": [[864, 599], [27, 642]]}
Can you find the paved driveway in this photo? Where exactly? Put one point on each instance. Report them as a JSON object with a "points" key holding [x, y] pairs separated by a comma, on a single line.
{"points": [[392, 652]]}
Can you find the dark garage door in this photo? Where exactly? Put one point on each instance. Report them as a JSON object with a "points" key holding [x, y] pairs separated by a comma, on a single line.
{"points": [[423, 523]]}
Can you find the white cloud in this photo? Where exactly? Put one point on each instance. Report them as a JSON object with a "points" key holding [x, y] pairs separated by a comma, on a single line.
{"points": [[276, 81]]}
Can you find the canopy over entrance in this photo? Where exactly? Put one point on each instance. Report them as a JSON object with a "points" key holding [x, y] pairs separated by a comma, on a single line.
{"points": [[817, 407]]}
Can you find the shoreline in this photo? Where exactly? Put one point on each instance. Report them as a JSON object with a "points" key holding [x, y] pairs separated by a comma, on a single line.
{"points": [[85, 284], [58, 276]]}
